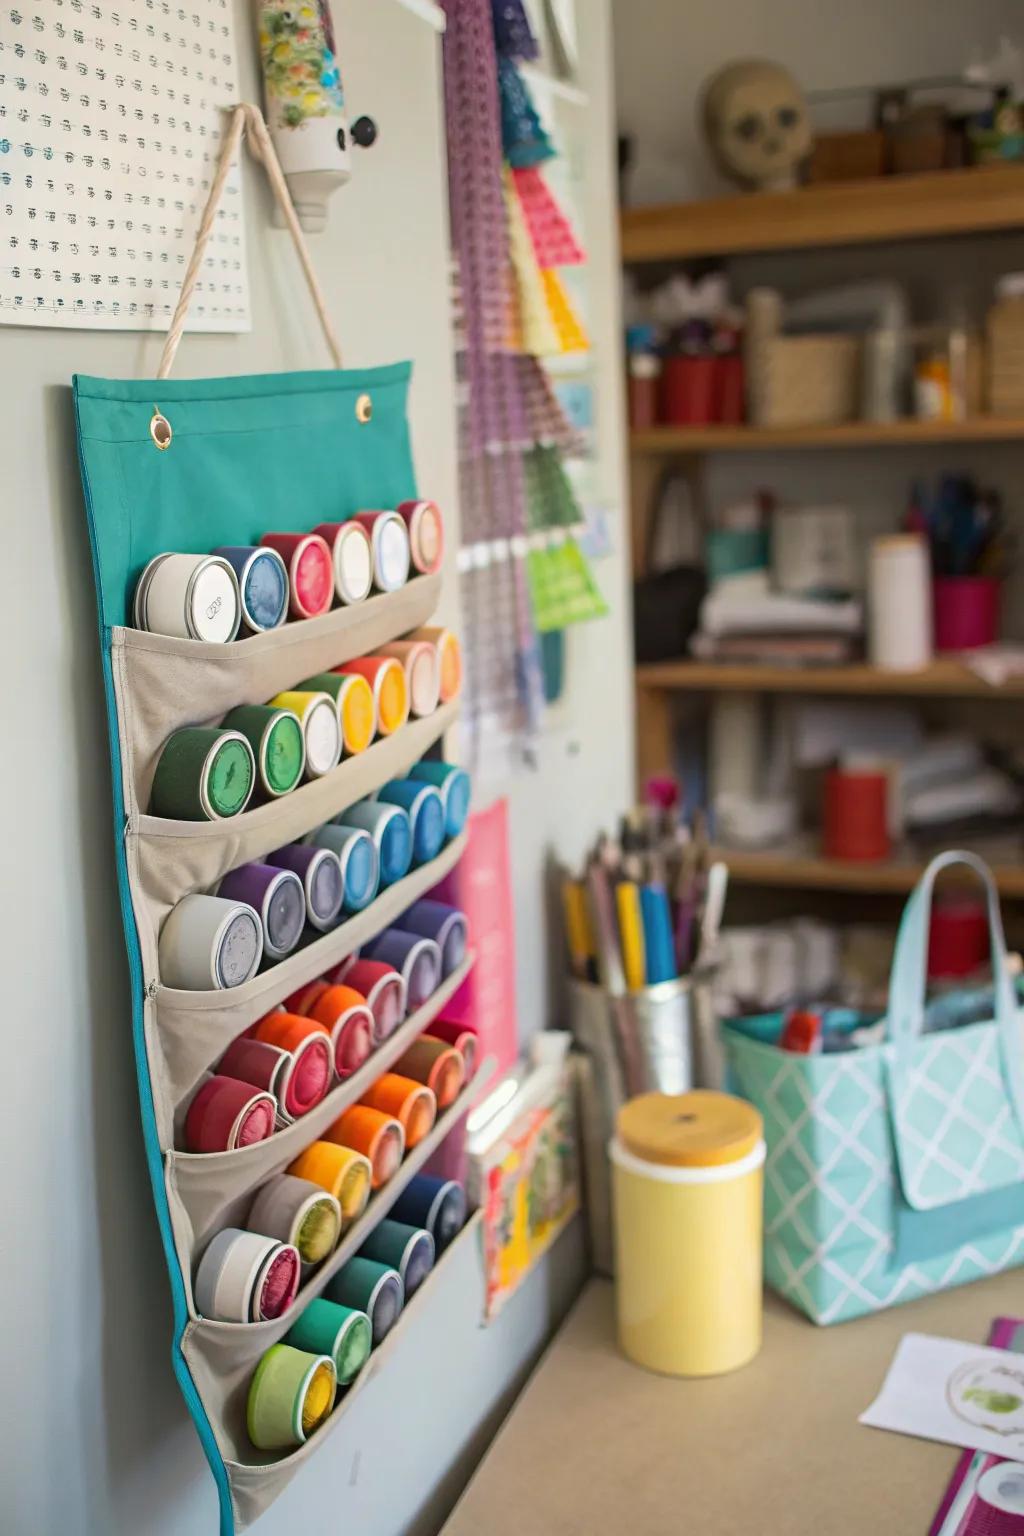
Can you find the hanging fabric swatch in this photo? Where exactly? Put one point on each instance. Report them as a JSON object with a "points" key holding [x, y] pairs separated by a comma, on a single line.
{"points": [[524, 138], [554, 243], [562, 587], [551, 502], [513, 37], [540, 334], [571, 335]]}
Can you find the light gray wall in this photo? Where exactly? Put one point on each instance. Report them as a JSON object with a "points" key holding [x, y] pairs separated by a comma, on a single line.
{"points": [[94, 1437], [665, 49]]}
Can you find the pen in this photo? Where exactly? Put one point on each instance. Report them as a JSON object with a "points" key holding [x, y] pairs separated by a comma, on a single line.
{"points": [[659, 951]]}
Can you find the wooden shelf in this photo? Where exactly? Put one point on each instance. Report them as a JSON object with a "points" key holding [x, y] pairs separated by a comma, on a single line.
{"points": [[849, 434], [800, 868], [943, 679], [840, 213]]}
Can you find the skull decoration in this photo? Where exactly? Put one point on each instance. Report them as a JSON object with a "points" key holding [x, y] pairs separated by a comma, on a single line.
{"points": [[755, 118]]}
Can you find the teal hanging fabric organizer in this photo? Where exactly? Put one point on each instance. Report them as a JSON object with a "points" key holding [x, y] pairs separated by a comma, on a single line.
{"points": [[189, 465], [894, 1170]]}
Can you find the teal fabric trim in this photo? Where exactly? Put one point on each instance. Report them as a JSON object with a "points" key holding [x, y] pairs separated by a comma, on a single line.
{"points": [[281, 452], [922, 1235]]}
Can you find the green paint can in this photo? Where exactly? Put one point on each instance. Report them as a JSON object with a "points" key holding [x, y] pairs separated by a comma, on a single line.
{"points": [[328, 1328], [375, 1289], [276, 738], [205, 773]]}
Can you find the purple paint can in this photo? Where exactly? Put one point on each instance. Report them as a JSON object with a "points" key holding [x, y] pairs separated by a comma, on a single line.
{"points": [[322, 878], [447, 927], [279, 898], [416, 959]]}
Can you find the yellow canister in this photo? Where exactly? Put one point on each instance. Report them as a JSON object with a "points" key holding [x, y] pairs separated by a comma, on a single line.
{"points": [[687, 1181]]}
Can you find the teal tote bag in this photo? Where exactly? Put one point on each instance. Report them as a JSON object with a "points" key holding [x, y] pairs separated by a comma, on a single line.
{"points": [[188, 465], [894, 1170]]}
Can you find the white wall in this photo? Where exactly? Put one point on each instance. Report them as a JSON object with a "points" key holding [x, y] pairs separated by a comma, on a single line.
{"points": [[665, 49], [94, 1437]]}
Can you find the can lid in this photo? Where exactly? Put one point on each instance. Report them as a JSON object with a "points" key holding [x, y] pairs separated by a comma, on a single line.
{"points": [[701, 1129]]}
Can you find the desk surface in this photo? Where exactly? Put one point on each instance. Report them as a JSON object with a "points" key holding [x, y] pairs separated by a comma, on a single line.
{"points": [[594, 1444]]}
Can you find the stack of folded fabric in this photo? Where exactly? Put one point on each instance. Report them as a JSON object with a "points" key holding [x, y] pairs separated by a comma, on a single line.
{"points": [[743, 619]]}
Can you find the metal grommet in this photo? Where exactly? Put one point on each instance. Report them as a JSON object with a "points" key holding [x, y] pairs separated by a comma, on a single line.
{"points": [[160, 429], [364, 408]]}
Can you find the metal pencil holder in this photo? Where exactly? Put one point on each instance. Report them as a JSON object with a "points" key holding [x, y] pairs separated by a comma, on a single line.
{"points": [[637, 1042]]}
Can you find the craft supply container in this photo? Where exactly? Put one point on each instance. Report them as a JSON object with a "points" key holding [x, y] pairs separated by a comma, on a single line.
{"points": [[687, 1189], [966, 612]]}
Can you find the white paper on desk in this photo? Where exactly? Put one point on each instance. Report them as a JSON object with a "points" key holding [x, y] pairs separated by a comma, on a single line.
{"points": [[960, 1394]]}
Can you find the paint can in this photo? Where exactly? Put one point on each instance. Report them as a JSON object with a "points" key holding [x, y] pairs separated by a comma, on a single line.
{"points": [[449, 657], [254, 1061], [355, 704], [278, 896], [446, 925], [412, 1105], [275, 736], [298, 1212], [389, 545], [347, 1015], [357, 854], [439, 1205], [422, 803], [384, 990], [226, 1114], [462, 1036], [391, 830], [277, 1284], [302, 999], [306, 1078], [410, 1250], [453, 785], [416, 959], [422, 673], [426, 534], [290, 1396], [386, 678], [377, 1136], [231, 1284], [321, 732], [323, 881], [352, 558], [373, 1288], [310, 572], [204, 774], [329, 1328], [192, 597], [262, 584], [209, 942], [342, 1171], [440, 1067]]}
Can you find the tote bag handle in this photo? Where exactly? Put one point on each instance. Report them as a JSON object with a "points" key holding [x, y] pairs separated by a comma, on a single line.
{"points": [[245, 118], [910, 968]]}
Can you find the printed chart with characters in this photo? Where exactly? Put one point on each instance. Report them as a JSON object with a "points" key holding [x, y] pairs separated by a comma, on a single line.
{"points": [[111, 120]]}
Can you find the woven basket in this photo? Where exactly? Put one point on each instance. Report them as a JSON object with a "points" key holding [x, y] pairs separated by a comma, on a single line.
{"points": [[804, 381]]}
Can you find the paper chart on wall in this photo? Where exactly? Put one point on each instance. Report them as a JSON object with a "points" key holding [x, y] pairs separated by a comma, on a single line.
{"points": [[111, 113]]}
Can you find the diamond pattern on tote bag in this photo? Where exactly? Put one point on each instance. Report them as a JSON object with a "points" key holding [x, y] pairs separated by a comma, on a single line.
{"points": [[831, 1181], [957, 1126]]}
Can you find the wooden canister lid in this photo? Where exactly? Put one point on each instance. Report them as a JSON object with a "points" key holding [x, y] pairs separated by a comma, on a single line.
{"points": [[701, 1129]]}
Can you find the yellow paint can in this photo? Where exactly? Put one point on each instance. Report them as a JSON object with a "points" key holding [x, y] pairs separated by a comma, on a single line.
{"points": [[687, 1180]]}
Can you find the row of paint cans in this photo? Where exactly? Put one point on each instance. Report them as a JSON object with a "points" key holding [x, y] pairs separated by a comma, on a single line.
{"points": [[212, 772], [256, 587]]}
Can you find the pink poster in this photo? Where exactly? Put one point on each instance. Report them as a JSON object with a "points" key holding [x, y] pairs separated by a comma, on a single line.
{"points": [[481, 886]]}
